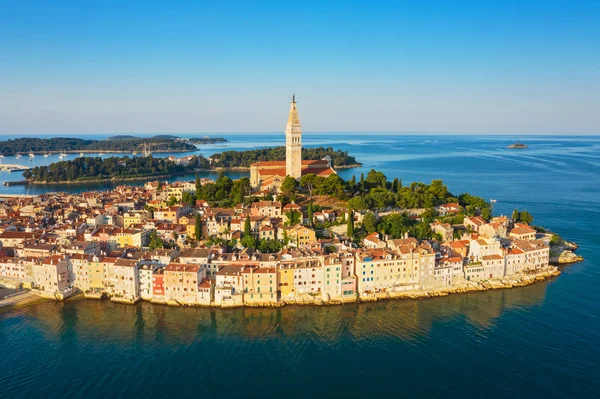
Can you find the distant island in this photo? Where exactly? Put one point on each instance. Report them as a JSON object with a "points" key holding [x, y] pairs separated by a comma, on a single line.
{"points": [[113, 144], [96, 169], [517, 145]]}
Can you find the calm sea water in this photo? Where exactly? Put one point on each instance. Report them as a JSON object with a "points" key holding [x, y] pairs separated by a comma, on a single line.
{"points": [[538, 341]]}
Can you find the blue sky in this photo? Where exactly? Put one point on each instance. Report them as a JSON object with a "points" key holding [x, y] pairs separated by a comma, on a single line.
{"points": [[232, 66]]}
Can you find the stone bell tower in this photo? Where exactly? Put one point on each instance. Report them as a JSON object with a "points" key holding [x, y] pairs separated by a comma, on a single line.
{"points": [[293, 143]]}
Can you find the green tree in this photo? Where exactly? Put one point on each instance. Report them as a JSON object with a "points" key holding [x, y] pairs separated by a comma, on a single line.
{"points": [[247, 227], [155, 241], [198, 227], [525, 217], [309, 181], [362, 182], [172, 201], [350, 225], [515, 215], [293, 217], [369, 222], [289, 186]]}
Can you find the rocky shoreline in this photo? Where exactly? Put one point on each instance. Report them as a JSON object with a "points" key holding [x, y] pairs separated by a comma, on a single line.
{"points": [[308, 300]]}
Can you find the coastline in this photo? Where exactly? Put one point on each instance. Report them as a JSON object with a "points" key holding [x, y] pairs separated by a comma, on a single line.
{"points": [[517, 281]]}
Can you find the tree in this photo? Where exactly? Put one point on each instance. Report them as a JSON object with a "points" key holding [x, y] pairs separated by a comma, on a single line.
{"points": [[248, 241], [293, 218], [198, 184], [286, 238], [362, 182], [198, 227], [308, 182], [269, 246], [172, 201], [525, 217], [350, 225], [515, 215], [486, 213], [369, 222], [360, 203], [247, 227], [155, 241], [395, 185], [310, 213], [289, 186]]}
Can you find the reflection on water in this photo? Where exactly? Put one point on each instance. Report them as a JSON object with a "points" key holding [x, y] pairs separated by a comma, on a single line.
{"points": [[401, 319]]}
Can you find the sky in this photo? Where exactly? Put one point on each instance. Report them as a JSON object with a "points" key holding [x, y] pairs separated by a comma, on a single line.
{"points": [[482, 67]]}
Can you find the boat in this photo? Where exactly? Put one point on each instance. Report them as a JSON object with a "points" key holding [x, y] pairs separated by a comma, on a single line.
{"points": [[100, 154], [492, 200], [18, 156], [81, 154], [1, 156], [134, 153], [46, 154], [60, 156], [31, 154], [517, 145], [63, 154]]}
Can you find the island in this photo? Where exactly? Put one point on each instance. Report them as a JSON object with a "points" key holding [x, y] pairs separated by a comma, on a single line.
{"points": [[517, 145], [114, 144], [97, 169]]}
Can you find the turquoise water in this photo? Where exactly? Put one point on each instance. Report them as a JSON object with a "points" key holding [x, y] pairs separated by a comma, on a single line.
{"points": [[537, 341]]}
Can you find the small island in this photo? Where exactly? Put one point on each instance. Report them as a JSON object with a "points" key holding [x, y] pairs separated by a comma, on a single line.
{"points": [[113, 144], [517, 145]]}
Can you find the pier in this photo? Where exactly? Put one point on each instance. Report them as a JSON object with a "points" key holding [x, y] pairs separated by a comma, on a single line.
{"points": [[13, 168]]}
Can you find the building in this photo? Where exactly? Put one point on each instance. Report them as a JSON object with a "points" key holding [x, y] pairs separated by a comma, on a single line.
{"points": [[268, 175]]}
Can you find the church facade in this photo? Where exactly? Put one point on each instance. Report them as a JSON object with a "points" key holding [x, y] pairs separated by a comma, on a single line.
{"points": [[268, 175]]}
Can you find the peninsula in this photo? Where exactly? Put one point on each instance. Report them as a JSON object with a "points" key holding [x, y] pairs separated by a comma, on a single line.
{"points": [[268, 240], [114, 144]]}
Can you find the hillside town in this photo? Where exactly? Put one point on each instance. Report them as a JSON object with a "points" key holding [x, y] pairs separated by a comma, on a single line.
{"points": [[264, 241]]}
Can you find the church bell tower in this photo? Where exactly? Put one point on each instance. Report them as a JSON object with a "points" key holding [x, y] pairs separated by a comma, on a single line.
{"points": [[293, 143]]}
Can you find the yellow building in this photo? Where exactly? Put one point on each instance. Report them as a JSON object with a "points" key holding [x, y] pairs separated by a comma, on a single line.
{"points": [[285, 277], [300, 235], [260, 285]]}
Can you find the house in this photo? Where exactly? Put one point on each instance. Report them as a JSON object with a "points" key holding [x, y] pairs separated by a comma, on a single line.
{"points": [[474, 223], [522, 231], [260, 285]]}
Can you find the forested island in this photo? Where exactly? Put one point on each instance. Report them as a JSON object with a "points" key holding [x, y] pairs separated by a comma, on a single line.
{"points": [[87, 169], [117, 144], [243, 159]]}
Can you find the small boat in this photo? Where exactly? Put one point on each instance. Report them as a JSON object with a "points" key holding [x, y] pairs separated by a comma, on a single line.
{"points": [[46, 154], [493, 201], [100, 154], [18, 156], [134, 153], [63, 154], [60, 156], [1, 156], [31, 155], [81, 154]]}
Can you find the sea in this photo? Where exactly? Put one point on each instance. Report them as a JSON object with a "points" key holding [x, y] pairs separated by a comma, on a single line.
{"points": [[529, 342]]}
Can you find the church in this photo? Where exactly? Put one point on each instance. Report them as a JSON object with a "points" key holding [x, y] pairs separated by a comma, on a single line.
{"points": [[268, 175]]}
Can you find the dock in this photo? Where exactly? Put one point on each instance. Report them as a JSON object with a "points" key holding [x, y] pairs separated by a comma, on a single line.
{"points": [[16, 183], [13, 168]]}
